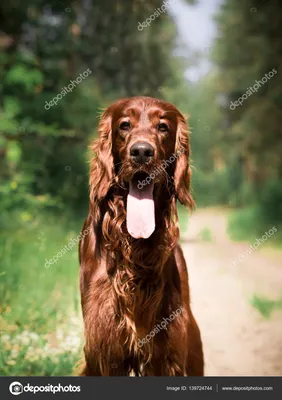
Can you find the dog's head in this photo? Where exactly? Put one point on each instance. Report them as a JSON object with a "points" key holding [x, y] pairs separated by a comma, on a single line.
{"points": [[143, 145]]}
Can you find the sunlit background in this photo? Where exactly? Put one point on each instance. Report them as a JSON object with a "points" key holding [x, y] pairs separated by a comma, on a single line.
{"points": [[220, 63]]}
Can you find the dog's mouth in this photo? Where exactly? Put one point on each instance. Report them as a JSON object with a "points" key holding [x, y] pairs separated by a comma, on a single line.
{"points": [[140, 217], [141, 178]]}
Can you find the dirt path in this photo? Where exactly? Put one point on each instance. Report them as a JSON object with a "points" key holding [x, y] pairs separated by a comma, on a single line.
{"points": [[237, 339]]}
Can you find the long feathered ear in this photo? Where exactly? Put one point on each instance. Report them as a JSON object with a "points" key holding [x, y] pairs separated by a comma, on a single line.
{"points": [[102, 165], [182, 173]]}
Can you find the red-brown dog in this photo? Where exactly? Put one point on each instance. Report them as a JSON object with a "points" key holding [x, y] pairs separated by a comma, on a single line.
{"points": [[133, 276]]}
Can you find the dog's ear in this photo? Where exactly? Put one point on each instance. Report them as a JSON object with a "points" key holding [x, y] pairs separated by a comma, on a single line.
{"points": [[102, 165], [182, 173]]}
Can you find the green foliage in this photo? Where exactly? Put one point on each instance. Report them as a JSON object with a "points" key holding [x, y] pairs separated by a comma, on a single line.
{"points": [[244, 224], [205, 235], [247, 224], [13, 153], [44, 153], [30, 360], [211, 188], [266, 306], [45, 238], [270, 202], [264, 213], [39, 306], [183, 218], [237, 153], [246, 49], [24, 77]]}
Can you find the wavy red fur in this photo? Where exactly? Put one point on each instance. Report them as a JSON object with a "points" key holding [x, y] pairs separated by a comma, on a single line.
{"points": [[128, 286]]}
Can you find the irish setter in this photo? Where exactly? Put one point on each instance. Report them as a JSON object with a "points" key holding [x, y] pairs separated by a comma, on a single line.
{"points": [[133, 276]]}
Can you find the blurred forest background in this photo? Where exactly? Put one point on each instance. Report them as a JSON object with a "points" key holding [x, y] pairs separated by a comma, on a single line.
{"points": [[44, 44]]}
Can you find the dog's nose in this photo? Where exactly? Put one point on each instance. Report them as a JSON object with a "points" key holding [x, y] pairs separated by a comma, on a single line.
{"points": [[141, 152]]}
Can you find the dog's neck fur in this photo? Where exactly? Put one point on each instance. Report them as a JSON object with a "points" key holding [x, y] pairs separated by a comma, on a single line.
{"points": [[136, 266], [150, 254]]}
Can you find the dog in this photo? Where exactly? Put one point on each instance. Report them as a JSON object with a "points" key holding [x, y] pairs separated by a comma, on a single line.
{"points": [[133, 275]]}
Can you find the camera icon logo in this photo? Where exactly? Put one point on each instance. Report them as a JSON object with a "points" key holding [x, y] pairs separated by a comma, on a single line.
{"points": [[16, 388]]}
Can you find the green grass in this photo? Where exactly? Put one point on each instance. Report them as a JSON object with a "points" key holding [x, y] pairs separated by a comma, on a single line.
{"points": [[243, 224], [183, 218], [205, 235], [40, 322], [246, 225], [40, 312], [266, 306]]}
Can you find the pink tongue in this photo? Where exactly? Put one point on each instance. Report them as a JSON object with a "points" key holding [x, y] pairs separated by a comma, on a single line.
{"points": [[140, 219]]}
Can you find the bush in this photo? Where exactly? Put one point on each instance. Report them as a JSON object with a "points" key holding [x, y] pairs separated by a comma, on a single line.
{"points": [[244, 224], [270, 203], [40, 321], [211, 188]]}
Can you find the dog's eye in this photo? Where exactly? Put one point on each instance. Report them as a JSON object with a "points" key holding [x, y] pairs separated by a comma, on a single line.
{"points": [[162, 127], [124, 126]]}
